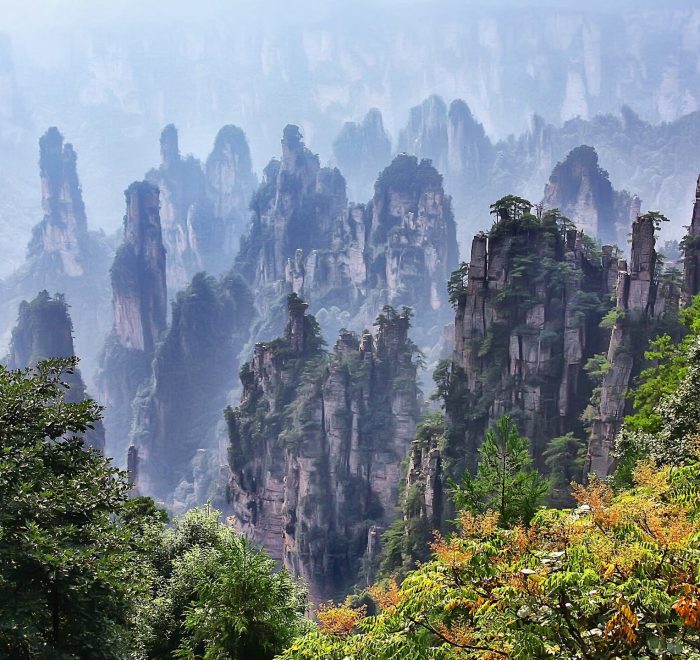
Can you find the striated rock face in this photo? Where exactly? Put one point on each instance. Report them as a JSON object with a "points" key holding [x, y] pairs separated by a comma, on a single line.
{"points": [[413, 245], [361, 151], [691, 253], [139, 301], [62, 254], [641, 303], [177, 414], [527, 312], [581, 190], [316, 445], [44, 330], [203, 211], [138, 272]]}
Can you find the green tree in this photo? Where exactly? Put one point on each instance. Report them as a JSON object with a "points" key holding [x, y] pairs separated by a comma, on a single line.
{"points": [[215, 596], [506, 481], [71, 567], [564, 458]]}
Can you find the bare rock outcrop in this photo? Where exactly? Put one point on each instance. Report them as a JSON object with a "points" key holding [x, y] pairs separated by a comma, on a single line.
{"points": [[203, 210], [349, 260], [139, 300], [317, 442]]}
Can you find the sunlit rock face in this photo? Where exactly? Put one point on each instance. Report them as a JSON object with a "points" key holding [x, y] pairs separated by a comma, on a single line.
{"points": [[317, 474], [43, 331], [63, 255], [139, 301]]}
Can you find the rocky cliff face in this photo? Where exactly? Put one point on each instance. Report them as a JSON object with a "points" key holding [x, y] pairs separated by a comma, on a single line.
{"points": [[527, 311], [183, 204], [581, 190], [44, 330], [139, 302], [643, 300], [691, 249], [525, 324], [203, 213], [62, 254], [316, 445], [62, 235], [174, 441]]}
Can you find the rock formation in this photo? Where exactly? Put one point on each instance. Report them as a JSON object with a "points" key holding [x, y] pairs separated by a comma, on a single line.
{"points": [[525, 324], [44, 330], [412, 240], [194, 368], [527, 311], [230, 184], [348, 261], [203, 213], [183, 206], [139, 303], [581, 190], [62, 254], [316, 445], [361, 151], [425, 135], [691, 252], [657, 162], [642, 301]]}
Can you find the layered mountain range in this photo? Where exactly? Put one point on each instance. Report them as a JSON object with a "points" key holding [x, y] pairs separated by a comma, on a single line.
{"points": [[657, 162], [321, 453]]}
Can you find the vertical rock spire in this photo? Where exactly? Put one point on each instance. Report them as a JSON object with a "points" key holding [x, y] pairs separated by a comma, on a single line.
{"points": [[139, 298], [639, 303], [63, 230], [138, 273]]}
